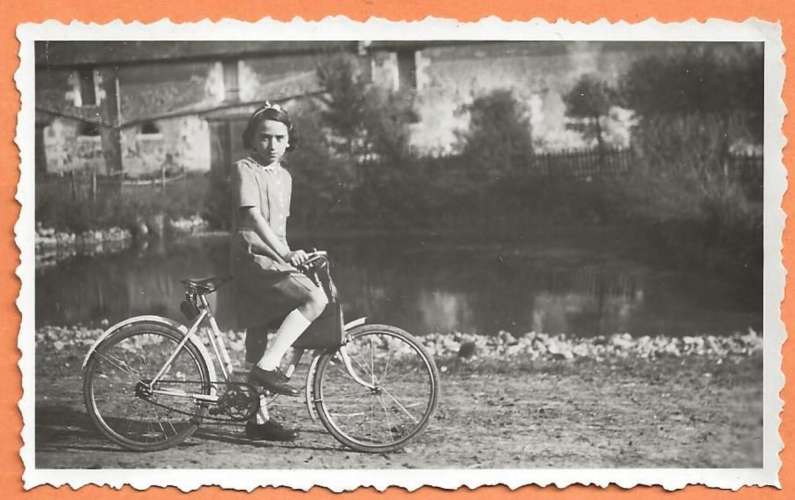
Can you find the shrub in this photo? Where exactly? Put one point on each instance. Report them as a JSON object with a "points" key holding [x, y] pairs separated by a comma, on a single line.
{"points": [[322, 180], [499, 137], [693, 105], [60, 206], [589, 102]]}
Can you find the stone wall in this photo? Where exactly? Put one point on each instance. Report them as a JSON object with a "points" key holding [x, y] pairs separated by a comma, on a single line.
{"points": [[71, 142], [181, 143], [162, 110]]}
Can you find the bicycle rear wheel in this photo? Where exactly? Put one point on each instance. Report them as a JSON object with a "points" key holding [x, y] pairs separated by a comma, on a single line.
{"points": [[391, 403], [114, 387]]}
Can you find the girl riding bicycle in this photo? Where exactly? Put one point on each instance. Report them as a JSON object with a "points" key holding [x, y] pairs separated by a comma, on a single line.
{"points": [[268, 286], [149, 382]]}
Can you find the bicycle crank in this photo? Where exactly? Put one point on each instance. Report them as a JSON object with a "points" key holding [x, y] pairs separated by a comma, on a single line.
{"points": [[237, 401]]}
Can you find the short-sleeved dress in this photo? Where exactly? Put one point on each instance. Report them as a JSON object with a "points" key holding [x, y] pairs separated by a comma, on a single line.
{"points": [[266, 288]]}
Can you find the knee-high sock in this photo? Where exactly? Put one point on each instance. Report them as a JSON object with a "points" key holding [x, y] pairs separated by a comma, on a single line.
{"points": [[292, 327]]}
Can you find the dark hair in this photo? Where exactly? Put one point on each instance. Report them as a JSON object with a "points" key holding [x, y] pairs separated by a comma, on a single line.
{"points": [[269, 112]]}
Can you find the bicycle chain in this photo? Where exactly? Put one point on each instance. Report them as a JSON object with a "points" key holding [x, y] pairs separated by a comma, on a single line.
{"points": [[251, 410]]}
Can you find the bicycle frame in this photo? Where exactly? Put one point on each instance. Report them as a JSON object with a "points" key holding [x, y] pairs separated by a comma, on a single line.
{"points": [[221, 354]]}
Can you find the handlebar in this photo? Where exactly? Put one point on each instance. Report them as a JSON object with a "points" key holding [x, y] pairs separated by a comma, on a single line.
{"points": [[313, 258], [316, 267]]}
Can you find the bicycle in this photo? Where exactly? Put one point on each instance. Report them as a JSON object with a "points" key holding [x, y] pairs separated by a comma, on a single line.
{"points": [[149, 382]]}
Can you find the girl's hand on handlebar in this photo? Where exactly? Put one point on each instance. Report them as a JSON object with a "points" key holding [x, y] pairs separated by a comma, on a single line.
{"points": [[297, 257]]}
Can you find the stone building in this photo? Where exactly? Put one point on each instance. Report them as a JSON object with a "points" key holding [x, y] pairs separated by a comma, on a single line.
{"points": [[137, 109]]}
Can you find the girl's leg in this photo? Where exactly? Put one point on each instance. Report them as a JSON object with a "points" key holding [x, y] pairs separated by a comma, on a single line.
{"points": [[256, 343], [262, 414], [261, 426], [292, 327]]}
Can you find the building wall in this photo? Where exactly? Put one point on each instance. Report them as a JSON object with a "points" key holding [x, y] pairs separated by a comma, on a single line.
{"points": [[181, 143], [145, 91], [66, 150], [276, 78], [177, 97], [539, 74]]}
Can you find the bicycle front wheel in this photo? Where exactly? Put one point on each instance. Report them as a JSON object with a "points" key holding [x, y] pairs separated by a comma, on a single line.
{"points": [[384, 396], [120, 400]]}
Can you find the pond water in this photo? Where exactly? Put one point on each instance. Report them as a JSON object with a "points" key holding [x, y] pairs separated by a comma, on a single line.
{"points": [[576, 283]]}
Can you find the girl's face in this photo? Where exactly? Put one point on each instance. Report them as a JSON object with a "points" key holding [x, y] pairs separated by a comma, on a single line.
{"points": [[270, 141]]}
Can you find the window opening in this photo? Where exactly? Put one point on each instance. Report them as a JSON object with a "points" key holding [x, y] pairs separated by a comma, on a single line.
{"points": [[231, 80], [88, 94], [149, 128], [407, 69], [89, 130]]}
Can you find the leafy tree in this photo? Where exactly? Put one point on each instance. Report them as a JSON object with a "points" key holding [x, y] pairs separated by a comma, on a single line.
{"points": [[693, 105], [387, 120], [710, 79], [344, 100], [368, 122], [590, 101], [499, 137], [368, 130], [703, 78], [322, 181]]}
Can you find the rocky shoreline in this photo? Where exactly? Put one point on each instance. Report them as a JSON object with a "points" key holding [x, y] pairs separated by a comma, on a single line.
{"points": [[531, 346], [50, 238], [53, 246]]}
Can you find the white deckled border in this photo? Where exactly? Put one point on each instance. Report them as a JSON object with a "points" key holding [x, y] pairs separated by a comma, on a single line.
{"points": [[492, 28]]}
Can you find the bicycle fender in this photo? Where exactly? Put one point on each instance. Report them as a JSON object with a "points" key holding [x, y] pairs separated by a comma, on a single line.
{"points": [[152, 319], [355, 323], [309, 391]]}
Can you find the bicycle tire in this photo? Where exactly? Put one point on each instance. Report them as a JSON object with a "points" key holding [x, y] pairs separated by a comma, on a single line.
{"points": [[104, 368], [336, 405]]}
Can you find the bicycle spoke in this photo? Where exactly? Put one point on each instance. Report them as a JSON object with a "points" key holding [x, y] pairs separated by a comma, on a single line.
{"points": [[400, 405], [386, 366], [389, 425], [372, 420], [377, 418], [121, 365], [165, 434], [126, 417], [358, 364], [372, 362]]}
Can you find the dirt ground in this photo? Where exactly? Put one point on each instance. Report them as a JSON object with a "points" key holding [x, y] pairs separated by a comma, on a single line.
{"points": [[678, 412]]}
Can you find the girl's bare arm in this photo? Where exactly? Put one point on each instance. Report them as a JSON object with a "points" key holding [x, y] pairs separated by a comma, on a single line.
{"points": [[280, 251]]}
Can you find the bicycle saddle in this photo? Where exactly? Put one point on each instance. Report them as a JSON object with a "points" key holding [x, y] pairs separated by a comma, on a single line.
{"points": [[205, 285]]}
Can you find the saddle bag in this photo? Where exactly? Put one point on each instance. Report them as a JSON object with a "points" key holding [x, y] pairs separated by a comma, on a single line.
{"points": [[326, 332]]}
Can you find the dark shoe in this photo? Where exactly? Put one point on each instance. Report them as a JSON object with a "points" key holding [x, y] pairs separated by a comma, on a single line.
{"points": [[272, 380], [270, 431]]}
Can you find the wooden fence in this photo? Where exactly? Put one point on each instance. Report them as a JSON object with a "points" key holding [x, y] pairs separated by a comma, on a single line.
{"points": [[576, 165], [749, 170], [582, 164], [587, 165]]}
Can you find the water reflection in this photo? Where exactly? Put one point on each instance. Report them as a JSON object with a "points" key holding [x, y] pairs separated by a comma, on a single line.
{"points": [[422, 286]]}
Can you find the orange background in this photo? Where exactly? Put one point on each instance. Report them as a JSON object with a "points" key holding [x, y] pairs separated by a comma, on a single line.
{"points": [[18, 11]]}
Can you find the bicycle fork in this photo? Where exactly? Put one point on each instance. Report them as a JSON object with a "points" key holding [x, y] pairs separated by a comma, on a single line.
{"points": [[311, 397]]}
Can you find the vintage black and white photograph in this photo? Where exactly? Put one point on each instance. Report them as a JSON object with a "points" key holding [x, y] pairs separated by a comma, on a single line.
{"points": [[469, 254]]}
